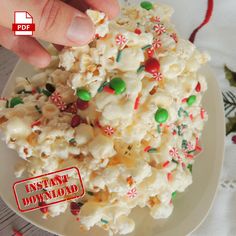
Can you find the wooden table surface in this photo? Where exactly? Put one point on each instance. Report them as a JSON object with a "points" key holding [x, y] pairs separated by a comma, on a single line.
{"points": [[8, 219]]}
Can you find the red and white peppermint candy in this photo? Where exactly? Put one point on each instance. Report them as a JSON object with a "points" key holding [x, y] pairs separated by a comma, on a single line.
{"points": [[156, 44], [190, 146], [158, 76], [156, 19], [174, 152], [121, 40], [159, 29], [61, 105], [109, 130], [56, 97], [132, 193], [175, 37]]}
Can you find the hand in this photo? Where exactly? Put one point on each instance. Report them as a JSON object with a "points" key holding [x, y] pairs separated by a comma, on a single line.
{"points": [[58, 22]]}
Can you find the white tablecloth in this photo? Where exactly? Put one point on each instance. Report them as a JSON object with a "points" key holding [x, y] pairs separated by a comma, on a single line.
{"points": [[219, 39]]}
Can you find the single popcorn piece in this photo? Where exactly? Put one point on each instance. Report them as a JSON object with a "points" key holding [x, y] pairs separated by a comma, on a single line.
{"points": [[126, 110]]}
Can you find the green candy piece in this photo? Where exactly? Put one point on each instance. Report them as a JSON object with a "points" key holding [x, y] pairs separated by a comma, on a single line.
{"points": [[118, 85], [84, 95], [174, 195], [147, 5], [161, 115], [15, 101], [190, 167], [191, 100]]}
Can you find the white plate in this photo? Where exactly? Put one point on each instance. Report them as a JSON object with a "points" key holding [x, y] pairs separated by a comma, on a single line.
{"points": [[191, 207]]}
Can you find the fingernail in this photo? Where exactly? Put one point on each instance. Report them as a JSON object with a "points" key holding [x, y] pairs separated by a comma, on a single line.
{"points": [[81, 30]]}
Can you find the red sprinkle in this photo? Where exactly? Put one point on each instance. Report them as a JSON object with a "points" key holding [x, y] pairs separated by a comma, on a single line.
{"points": [[150, 52], [138, 31], [174, 132], [205, 21], [74, 208], [34, 91], [36, 123], [191, 116], [82, 105], [147, 148], [16, 232], [198, 87], [202, 113], [152, 66], [109, 90], [136, 104], [78, 219], [198, 148], [166, 164], [75, 121], [169, 176], [189, 156], [44, 210], [234, 139], [183, 165], [184, 100]]}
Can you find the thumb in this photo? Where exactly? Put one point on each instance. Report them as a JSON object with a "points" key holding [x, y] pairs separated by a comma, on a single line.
{"points": [[54, 20]]}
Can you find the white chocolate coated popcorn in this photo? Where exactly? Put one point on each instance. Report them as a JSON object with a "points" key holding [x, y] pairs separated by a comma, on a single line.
{"points": [[74, 114]]}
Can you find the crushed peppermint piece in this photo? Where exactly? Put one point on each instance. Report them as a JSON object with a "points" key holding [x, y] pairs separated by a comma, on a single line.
{"points": [[159, 29], [121, 40], [165, 164], [109, 130], [174, 37], [56, 97], [132, 193], [174, 152], [157, 76], [169, 176], [147, 148], [156, 44], [136, 104]]}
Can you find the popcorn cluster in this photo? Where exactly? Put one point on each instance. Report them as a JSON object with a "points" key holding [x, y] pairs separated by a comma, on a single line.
{"points": [[125, 109]]}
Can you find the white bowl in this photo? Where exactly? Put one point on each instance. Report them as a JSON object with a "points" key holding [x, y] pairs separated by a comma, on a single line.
{"points": [[191, 207]]}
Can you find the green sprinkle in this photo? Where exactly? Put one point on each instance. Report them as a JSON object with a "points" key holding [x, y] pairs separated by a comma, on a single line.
{"points": [[39, 90], [191, 100], [118, 85], [146, 47], [141, 69], [152, 150], [7, 104], [83, 94], [24, 91], [175, 161], [147, 5], [185, 113], [184, 144], [104, 221], [15, 101], [161, 115], [174, 195], [38, 109], [46, 92], [190, 167], [89, 193], [159, 129], [100, 89], [189, 152], [180, 111], [118, 56], [26, 78], [72, 140]]}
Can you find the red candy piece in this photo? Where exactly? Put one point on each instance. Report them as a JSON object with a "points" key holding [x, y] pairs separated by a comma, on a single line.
{"points": [[75, 121], [198, 87], [82, 105], [74, 208], [44, 210], [138, 31], [234, 139], [152, 66]]}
